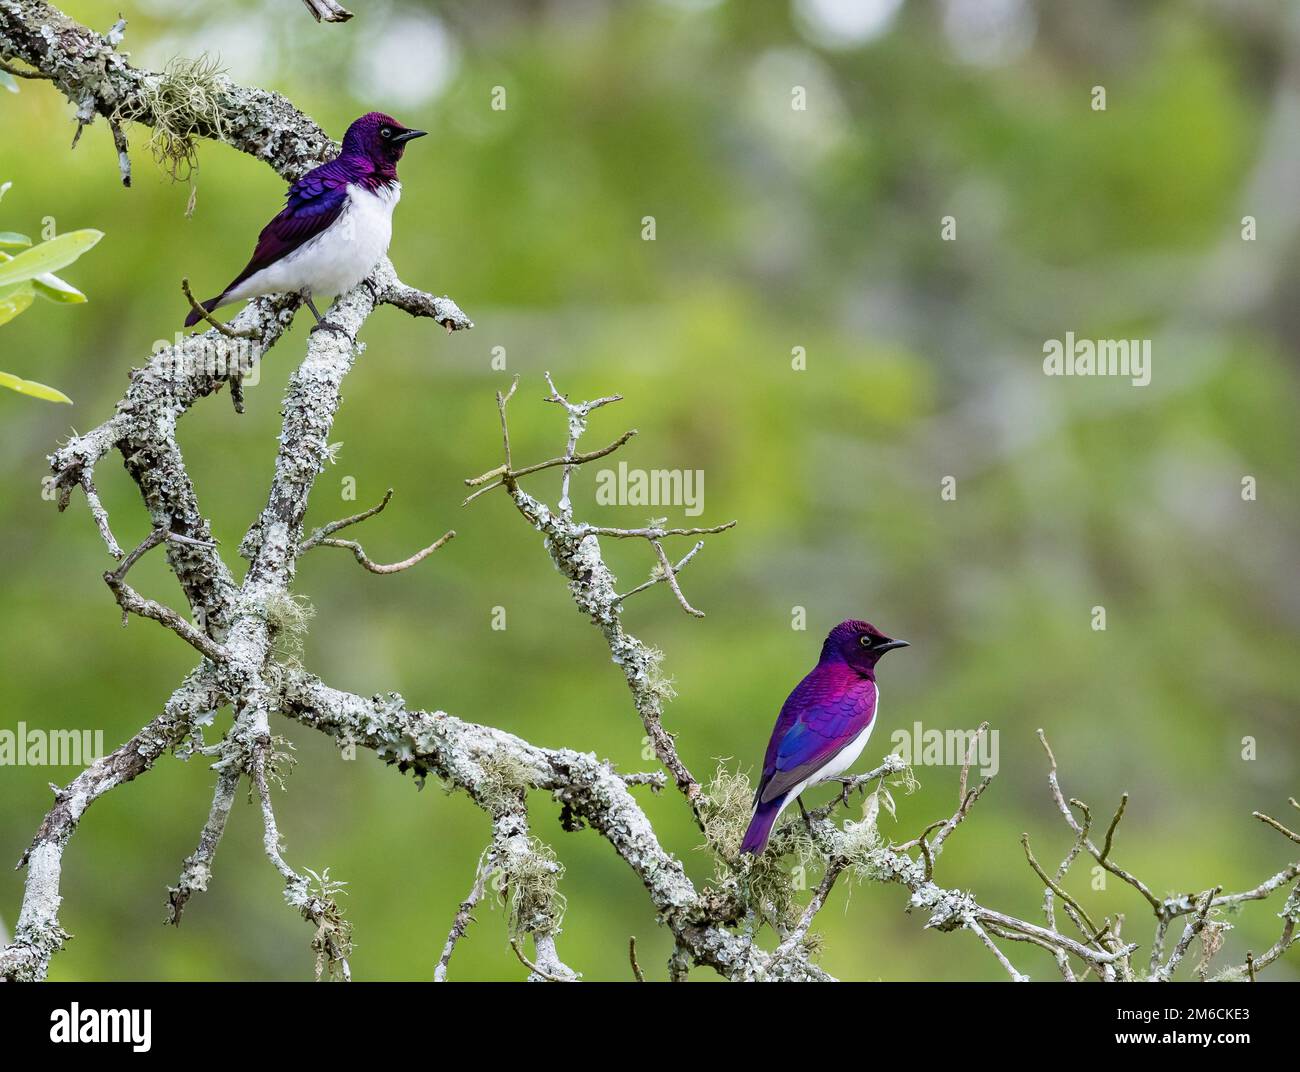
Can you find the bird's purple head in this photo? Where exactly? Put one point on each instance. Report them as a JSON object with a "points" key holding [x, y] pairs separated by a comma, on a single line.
{"points": [[380, 138], [860, 644]]}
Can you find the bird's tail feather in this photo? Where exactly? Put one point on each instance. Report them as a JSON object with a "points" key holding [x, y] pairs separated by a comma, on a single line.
{"points": [[760, 826], [208, 306]]}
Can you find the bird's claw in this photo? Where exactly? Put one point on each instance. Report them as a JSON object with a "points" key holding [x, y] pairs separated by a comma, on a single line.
{"points": [[325, 325]]}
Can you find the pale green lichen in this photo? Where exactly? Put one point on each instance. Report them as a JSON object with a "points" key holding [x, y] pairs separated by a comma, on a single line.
{"points": [[289, 617], [281, 761], [771, 885], [764, 883], [534, 903], [332, 941], [180, 104], [505, 780], [725, 810], [1211, 941], [660, 687]]}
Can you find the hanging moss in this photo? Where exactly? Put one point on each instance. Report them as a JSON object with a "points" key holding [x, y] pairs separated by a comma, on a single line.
{"points": [[179, 106], [532, 886]]}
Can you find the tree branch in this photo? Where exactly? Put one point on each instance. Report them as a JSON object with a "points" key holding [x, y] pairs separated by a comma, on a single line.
{"points": [[38, 936], [327, 11], [238, 625]]}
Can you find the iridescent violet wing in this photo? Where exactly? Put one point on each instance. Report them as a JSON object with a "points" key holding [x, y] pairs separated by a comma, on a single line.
{"points": [[825, 713]]}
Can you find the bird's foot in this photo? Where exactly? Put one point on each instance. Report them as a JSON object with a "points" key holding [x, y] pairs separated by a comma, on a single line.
{"points": [[325, 325], [306, 299], [807, 819]]}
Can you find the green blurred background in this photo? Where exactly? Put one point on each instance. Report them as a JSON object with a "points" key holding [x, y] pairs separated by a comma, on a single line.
{"points": [[775, 229]]}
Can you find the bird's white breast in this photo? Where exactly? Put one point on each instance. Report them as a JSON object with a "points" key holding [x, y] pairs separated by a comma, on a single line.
{"points": [[338, 258]]}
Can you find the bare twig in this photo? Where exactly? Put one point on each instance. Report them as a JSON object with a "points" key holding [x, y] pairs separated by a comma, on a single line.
{"points": [[1277, 826], [336, 526], [1110, 830], [637, 973], [540, 972], [394, 567], [1101, 857], [578, 413], [132, 602], [19, 72], [208, 318], [1090, 929], [970, 754], [656, 780], [670, 575], [419, 304], [982, 935], [962, 811], [592, 585], [464, 915], [661, 575], [568, 461], [123, 151], [653, 532]]}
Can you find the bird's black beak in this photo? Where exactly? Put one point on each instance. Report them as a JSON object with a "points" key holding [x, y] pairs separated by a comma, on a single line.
{"points": [[890, 645], [410, 135]]}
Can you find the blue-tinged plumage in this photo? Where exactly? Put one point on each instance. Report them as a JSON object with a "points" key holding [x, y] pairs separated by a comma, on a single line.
{"points": [[828, 709], [823, 725], [336, 223]]}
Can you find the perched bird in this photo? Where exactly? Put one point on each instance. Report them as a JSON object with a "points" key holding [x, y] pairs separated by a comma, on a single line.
{"points": [[823, 726], [337, 223]]}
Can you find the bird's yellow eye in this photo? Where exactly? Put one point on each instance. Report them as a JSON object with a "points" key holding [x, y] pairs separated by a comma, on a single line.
{"points": [[865, 640]]}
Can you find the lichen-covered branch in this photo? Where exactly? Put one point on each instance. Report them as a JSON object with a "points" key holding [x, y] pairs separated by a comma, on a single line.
{"points": [[234, 625], [327, 11], [494, 767], [38, 936], [197, 869], [574, 547], [241, 628]]}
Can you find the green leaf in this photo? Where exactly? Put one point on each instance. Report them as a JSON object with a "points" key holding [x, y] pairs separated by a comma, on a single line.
{"points": [[13, 238], [31, 387], [52, 288], [14, 300], [8, 81], [48, 256]]}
